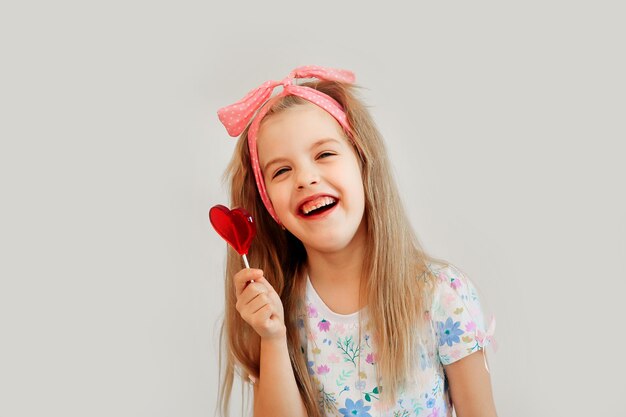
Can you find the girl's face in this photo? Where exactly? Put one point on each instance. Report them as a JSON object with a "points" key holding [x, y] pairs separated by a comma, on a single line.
{"points": [[313, 178]]}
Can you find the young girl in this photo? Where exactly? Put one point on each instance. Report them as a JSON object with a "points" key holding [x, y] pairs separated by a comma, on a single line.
{"points": [[346, 314]]}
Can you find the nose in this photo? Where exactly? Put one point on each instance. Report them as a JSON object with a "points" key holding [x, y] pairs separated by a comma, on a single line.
{"points": [[307, 176]]}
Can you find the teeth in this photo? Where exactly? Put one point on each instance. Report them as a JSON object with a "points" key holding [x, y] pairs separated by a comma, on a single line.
{"points": [[317, 203]]}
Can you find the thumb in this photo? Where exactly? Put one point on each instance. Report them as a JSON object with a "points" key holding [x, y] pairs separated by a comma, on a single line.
{"points": [[266, 283]]}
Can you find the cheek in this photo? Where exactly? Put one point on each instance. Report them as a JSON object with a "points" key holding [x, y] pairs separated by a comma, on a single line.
{"points": [[277, 196], [360, 195], [356, 184]]}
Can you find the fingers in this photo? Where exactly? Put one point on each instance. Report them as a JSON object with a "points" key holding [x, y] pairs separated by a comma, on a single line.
{"points": [[260, 320], [252, 296], [258, 304], [265, 283], [243, 277], [257, 311], [252, 290]]}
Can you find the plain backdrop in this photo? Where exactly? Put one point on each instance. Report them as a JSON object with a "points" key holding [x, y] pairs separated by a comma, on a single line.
{"points": [[505, 123]]}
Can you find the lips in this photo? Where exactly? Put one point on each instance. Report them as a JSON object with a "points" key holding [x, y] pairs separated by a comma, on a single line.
{"points": [[314, 202]]}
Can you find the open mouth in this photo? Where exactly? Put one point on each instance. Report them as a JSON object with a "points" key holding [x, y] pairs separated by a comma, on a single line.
{"points": [[317, 206]]}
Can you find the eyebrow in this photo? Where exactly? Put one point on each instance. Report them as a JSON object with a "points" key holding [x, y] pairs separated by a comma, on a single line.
{"points": [[316, 144]]}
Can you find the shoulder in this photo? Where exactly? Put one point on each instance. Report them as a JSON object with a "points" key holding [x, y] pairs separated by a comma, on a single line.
{"points": [[449, 281], [446, 272], [456, 313]]}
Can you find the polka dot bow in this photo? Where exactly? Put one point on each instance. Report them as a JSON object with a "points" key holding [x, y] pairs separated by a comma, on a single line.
{"points": [[236, 117]]}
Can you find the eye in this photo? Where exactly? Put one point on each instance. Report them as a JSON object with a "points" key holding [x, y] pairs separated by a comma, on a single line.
{"points": [[279, 172], [325, 154]]}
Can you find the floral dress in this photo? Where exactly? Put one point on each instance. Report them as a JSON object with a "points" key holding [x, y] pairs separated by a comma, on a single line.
{"points": [[342, 359]]}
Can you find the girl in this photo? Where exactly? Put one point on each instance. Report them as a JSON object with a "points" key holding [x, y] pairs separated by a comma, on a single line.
{"points": [[346, 315]]}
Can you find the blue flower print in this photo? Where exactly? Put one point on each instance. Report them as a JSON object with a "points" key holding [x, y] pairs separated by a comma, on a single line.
{"points": [[309, 365], [449, 332], [430, 403], [424, 360], [355, 409]]}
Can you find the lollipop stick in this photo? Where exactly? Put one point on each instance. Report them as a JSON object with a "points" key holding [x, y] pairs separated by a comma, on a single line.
{"points": [[245, 261]]}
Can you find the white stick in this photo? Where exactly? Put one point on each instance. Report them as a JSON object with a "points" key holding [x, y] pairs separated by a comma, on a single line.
{"points": [[245, 261]]}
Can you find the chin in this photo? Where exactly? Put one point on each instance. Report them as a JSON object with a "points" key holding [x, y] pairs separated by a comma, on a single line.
{"points": [[326, 247], [328, 239], [330, 243]]}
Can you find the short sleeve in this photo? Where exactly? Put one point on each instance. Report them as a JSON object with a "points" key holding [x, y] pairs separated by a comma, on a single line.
{"points": [[456, 315]]}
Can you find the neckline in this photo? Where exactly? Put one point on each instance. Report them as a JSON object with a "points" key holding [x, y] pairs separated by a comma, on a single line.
{"points": [[327, 310]]}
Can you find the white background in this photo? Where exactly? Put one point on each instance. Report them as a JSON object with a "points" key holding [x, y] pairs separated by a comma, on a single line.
{"points": [[505, 124]]}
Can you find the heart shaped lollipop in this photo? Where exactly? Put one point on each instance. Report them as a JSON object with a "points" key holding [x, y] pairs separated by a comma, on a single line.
{"points": [[235, 226]]}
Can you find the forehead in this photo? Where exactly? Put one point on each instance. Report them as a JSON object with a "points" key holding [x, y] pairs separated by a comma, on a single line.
{"points": [[297, 128]]}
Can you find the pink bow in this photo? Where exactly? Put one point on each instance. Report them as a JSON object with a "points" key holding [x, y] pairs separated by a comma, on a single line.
{"points": [[485, 339], [236, 116]]}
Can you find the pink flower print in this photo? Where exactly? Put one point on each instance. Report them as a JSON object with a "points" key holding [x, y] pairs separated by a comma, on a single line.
{"points": [[443, 277], [323, 370], [470, 327], [371, 358], [455, 283], [456, 354], [323, 325], [311, 311], [333, 358], [434, 413], [339, 328], [449, 299]]}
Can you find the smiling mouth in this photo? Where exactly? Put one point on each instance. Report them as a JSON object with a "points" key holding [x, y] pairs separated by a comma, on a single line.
{"points": [[318, 206]]}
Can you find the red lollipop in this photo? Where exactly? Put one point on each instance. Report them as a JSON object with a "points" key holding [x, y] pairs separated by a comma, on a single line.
{"points": [[235, 226]]}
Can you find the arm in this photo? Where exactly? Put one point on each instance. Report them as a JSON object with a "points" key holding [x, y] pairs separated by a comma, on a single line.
{"points": [[276, 392], [470, 387]]}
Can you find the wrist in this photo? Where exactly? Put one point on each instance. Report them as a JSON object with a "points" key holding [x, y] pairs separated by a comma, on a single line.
{"points": [[275, 340]]}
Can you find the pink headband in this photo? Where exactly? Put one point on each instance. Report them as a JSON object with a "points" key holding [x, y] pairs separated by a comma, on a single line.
{"points": [[236, 116]]}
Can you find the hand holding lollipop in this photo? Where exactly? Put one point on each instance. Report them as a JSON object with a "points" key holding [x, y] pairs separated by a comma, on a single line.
{"points": [[261, 306]]}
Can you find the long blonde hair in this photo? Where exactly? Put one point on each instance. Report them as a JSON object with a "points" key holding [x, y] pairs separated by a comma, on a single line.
{"points": [[398, 283]]}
